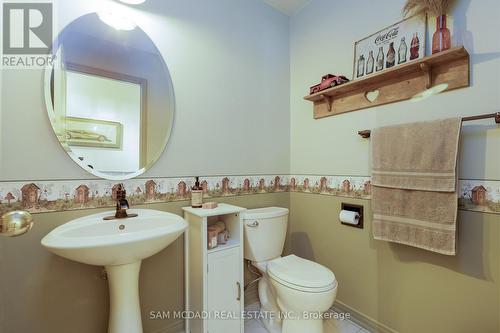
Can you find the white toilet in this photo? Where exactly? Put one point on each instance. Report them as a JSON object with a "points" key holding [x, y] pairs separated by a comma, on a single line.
{"points": [[293, 292]]}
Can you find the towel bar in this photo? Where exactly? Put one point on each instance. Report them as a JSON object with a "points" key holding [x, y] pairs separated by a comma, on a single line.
{"points": [[367, 133]]}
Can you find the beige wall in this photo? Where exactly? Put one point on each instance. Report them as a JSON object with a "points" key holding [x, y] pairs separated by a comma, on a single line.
{"points": [[404, 288], [41, 292]]}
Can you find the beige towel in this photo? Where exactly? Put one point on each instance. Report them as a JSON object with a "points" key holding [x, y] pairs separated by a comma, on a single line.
{"points": [[414, 180]]}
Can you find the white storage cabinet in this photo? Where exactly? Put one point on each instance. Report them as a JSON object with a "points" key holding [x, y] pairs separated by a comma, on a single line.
{"points": [[214, 278]]}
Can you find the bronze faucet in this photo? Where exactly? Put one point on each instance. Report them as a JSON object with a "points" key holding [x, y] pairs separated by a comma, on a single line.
{"points": [[121, 202], [121, 205]]}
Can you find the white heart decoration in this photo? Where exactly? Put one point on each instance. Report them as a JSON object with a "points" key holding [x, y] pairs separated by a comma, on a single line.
{"points": [[371, 96]]}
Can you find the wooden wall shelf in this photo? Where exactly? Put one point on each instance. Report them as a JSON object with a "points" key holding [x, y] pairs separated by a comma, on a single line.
{"points": [[396, 84]]}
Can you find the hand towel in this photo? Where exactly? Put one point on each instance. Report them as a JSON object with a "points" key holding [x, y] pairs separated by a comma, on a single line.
{"points": [[414, 178]]}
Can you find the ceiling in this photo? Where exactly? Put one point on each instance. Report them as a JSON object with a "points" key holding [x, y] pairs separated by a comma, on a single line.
{"points": [[288, 7]]}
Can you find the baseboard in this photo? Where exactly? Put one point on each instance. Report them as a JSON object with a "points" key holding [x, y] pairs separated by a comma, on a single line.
{"points": [[363, 320], [177, 327]]}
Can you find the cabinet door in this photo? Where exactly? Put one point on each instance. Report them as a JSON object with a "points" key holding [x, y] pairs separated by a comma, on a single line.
{"points": [[225, 291]]}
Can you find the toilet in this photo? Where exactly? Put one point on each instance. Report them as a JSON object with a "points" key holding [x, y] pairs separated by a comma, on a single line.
{"points": [[293, 292]]}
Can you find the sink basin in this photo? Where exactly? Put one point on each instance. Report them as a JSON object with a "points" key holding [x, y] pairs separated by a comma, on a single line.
{"points": [[119, 245], [91, 240]]}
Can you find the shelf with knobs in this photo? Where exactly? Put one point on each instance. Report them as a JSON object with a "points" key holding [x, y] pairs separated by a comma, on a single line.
{"points": [[447, 70]]}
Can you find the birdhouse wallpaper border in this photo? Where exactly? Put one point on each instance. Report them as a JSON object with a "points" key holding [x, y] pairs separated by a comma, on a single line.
{"points": [[54, 196]]}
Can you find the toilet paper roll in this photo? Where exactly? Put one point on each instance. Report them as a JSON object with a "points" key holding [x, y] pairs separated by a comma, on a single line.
{"points": [[350, 217]]}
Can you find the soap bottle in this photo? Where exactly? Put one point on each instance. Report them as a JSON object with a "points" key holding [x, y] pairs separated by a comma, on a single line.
{"points": [[197, 194]]}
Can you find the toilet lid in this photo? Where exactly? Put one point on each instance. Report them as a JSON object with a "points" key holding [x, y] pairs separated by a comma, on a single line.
{"points": [[301, 274]]}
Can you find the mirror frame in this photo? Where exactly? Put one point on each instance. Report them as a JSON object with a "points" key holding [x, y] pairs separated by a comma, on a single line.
{"points": [[49, 100]]}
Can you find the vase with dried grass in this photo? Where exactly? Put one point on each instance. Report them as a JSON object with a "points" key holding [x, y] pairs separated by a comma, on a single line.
{"points": [[441, 39]]}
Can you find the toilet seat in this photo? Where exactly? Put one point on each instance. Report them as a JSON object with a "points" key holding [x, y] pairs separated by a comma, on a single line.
{"points": [[301, 274]]}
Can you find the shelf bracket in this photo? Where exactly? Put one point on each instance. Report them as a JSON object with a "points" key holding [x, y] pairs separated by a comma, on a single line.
{"points": [[328, 100], [427, 69]]}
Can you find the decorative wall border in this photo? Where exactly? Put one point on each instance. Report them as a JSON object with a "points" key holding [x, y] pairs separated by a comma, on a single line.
{"points": [[55, 196], [480, 195]]}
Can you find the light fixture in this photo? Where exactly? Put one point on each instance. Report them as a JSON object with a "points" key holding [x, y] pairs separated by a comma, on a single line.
{"points": [[429, 92], [133, 2], [117, 21]]}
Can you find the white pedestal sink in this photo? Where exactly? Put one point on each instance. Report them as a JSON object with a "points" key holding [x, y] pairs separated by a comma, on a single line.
{"points": [[119, 245]]}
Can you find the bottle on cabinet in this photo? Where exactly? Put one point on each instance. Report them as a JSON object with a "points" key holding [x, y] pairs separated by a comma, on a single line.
{"points": [[197, 194]]}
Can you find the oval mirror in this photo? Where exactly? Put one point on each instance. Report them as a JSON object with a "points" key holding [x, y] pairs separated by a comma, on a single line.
{"points": [[109, 97]]}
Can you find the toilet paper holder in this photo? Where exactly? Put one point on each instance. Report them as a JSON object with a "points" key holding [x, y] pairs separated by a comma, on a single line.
{"points": [[353, 208]]}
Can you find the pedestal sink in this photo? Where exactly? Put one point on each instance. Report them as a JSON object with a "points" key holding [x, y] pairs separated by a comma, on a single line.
{"points": [[119, 245]]}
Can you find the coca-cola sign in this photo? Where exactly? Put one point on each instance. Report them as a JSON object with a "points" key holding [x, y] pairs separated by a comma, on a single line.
{"points": [[395, 45], [386, 36]]}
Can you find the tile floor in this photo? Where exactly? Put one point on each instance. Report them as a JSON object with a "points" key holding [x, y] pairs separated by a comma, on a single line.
{"points": [[331, 326]]}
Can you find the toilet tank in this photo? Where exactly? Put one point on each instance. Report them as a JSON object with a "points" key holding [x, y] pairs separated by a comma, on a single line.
{"points": [[265, 232]]}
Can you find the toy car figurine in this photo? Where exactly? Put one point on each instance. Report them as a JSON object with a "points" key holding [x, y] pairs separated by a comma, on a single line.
{"points": [[328, 81]]}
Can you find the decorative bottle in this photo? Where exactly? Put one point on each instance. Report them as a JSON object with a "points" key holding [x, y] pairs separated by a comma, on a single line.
{"points": [[370, 63], [361, 66], [441, 40], [415, 47], [391, 56], [403, 50], [197, 194], [380, 59]]}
